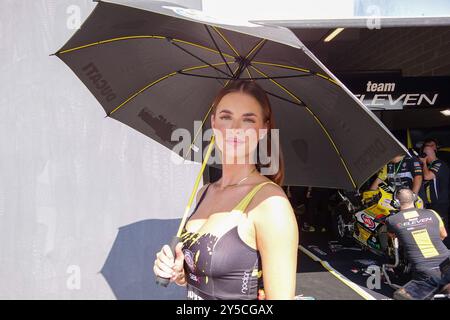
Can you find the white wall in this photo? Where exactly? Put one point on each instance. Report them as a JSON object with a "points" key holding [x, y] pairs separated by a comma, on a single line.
{"points": [[323, 9], [69, 178], [279, 10]]}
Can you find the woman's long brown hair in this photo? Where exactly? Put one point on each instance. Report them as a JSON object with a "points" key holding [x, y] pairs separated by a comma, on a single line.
{"points": [[251, 88]]}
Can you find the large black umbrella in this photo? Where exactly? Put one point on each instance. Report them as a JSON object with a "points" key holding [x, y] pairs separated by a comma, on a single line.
{"points": [[156, 67]]}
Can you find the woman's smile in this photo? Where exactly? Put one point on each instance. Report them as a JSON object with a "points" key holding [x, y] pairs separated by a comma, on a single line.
{"points": [[234, 141]]}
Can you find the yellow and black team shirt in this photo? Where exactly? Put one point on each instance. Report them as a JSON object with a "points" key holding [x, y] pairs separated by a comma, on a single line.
{"points": [[401, 174], [437, 190], [418, 231]]}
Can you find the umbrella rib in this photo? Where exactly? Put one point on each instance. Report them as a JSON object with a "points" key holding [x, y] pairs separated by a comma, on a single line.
{"points": [[248, 71], [273, 94], [318, 121], [238, 71], [138, 37], [283, 66], [218, 49], [198, 58], [134, 95], [287, 100], [226, 41], [244, 62], [252, 78], [295, 68], [259, 45], [109, 41]]}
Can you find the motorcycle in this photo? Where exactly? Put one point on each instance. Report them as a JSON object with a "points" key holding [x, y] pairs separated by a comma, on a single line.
{"points": [[361, 218]]}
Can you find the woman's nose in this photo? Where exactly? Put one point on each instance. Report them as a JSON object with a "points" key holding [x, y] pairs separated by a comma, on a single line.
{"points": [[235, 125], [236, 129]]}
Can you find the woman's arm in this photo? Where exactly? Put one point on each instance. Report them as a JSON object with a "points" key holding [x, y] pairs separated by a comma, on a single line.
{"points": [[277, 241]]}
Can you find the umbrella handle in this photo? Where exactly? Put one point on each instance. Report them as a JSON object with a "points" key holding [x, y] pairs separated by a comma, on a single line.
{"points": [[173, 243], [177, 238]]}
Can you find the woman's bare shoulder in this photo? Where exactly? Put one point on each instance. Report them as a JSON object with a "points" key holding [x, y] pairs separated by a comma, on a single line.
{"points": [[270, 195], [269, 190], [271, 209]]}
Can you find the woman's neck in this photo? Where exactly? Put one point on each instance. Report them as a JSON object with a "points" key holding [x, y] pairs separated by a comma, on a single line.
{"points": [[233, 173]]}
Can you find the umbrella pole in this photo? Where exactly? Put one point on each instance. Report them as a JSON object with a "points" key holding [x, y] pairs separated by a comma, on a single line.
{"points": [[177, 238], [194, 190]]}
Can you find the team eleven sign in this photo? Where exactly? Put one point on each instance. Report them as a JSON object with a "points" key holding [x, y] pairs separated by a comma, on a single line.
{"points": [[392, 92]]}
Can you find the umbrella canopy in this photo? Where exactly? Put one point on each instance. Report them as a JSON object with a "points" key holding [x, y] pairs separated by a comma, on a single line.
{"points": [[156, 67]]}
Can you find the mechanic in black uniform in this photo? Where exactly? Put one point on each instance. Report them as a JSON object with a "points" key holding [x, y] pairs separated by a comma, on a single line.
{"points": [[430, 142], [435, 190], [401, 171], [420, 233]]}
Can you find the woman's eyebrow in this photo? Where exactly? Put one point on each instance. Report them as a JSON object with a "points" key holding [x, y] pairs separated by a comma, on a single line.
{"points": [[248, 114]]}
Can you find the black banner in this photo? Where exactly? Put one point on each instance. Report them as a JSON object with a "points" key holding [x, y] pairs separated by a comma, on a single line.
{"points": [[227, 310], [391, 91]]}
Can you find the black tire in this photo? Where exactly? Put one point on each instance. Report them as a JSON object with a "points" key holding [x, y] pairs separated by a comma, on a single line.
{"points": [[341, 212]]}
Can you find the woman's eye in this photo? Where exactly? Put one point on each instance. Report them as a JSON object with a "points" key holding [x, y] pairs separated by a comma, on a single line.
{"points": [[229, 118]]}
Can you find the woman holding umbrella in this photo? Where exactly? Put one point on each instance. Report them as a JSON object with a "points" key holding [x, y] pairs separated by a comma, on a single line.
{"points": [[241, 240]]}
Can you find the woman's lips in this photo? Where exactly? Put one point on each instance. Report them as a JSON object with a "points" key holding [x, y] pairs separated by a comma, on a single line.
{"points": [[234, 141]]}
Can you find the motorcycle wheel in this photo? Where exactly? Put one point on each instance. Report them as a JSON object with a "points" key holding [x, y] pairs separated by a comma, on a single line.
{"points": [[341, 217]]}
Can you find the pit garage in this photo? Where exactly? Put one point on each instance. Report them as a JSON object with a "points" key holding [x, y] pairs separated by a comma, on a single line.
{"points": [[401, 72], [402, 75]]}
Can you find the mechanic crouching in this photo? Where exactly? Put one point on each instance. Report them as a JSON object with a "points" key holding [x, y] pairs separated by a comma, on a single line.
{"points": [[420, 232]]}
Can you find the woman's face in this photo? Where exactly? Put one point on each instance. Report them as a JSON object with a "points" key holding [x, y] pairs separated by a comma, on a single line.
{"points": [[237, 125]]}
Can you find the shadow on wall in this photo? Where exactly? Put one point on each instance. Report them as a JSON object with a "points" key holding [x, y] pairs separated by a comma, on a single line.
{"points": [[129, 266]]}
